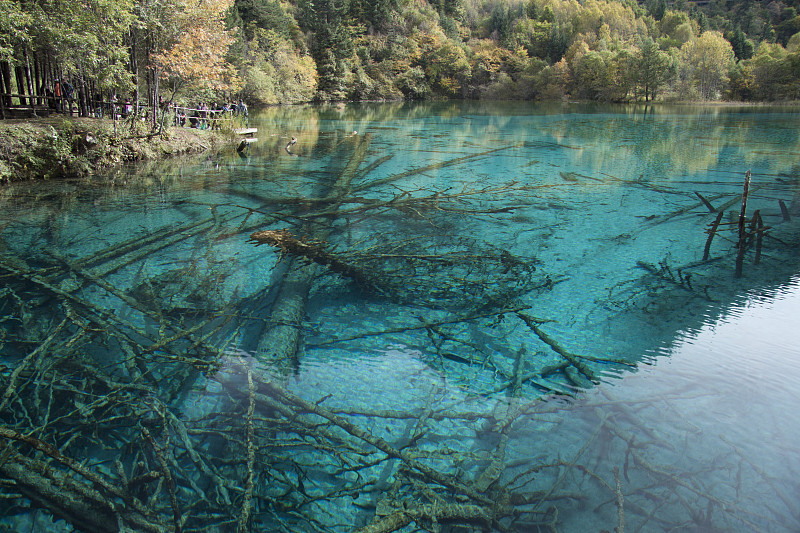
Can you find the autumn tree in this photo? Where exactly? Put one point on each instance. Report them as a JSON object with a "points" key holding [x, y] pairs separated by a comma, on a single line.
{"points": [[707, 61], [273, 72], [196, 55]]}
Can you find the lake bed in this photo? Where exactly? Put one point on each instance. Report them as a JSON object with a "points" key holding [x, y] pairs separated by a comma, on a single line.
{"points": [[504, 316]]}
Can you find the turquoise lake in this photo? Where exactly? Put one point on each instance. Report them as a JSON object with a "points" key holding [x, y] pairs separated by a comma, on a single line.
{"points": [[483, 317]]}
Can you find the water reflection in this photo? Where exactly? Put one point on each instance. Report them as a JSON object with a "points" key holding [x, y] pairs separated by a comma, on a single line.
{"points": [[482, 317]]}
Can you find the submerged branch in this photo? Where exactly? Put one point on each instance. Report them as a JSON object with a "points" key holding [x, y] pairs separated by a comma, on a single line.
{"points": [[311, 250]]}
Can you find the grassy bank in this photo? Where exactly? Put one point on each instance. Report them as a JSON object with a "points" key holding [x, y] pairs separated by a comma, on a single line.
{"points": [[69, 147]]}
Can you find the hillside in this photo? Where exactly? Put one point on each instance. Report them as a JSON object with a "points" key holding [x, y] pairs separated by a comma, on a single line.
{"points": [[273, 51]]}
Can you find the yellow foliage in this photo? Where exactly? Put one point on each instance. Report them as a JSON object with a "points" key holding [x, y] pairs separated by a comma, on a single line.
{"points": [[708, 59], [794, 43], [197, 53]]}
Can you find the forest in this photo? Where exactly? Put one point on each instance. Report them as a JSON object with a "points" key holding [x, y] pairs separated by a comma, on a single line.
{"points": [[286, 52]]}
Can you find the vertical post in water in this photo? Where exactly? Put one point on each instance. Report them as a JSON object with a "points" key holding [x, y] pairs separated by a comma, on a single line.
{"points": [[742, 244], [711, 232], [784, 211], [759, 234]]}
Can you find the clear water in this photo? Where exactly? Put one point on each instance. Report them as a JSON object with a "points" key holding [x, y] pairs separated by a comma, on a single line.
{"points": [[538, 343]]}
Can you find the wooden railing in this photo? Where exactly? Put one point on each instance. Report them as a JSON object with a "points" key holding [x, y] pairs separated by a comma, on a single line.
{"points": [[45, 104]]}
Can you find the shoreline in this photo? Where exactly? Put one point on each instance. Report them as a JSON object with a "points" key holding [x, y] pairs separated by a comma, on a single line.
{"points": [[74, 147]]}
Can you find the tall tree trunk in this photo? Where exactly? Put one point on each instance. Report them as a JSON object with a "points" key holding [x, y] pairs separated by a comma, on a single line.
{"points": [[5, 70], [19, 75], [83, 100], [148, 77], [2, 99], [94, 100], [135, 71], [28, 76], [49, 76], [156, 90], [38, 78], [57, 75]]}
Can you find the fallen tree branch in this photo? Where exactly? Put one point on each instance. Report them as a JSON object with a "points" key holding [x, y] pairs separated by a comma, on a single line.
{"points": [[92, 508], [431, 512]]}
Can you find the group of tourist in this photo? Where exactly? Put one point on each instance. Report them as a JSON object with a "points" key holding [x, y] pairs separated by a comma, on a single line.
{"points": [[62, 96], [207, 117]]}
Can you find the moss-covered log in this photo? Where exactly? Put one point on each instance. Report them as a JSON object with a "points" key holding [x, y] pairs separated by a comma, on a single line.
{"points": [[93, 505], [312, 250], [281, 339]]}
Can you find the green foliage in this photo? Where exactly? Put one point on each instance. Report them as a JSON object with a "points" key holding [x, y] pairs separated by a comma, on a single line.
{"points": [[743, 47], [265, 15], [652, 69], [14, 28], [331, 43], [657, 8], [558, 42], [413, 84], [788, 27], [702, 22], [86, 39], [376, 13], [501, 22], [534, 36], [671, 21], [603, 75], [450, 28], [274, 71], [290, 51], [771, 71]]}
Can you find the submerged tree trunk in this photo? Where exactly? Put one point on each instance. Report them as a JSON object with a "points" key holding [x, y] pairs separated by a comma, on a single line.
{"points": [[281, 340], [311, 250]]}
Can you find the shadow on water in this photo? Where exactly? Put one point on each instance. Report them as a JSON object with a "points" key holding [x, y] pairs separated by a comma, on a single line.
{"points": [[441, 317]]}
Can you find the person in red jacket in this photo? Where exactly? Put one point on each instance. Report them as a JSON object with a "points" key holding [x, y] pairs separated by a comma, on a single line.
{"points": [[57, 94]]}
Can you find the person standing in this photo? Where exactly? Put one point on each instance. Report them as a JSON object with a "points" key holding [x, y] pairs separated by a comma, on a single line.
{"points": [[57, 94], [242, 109], [68, 91]]}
